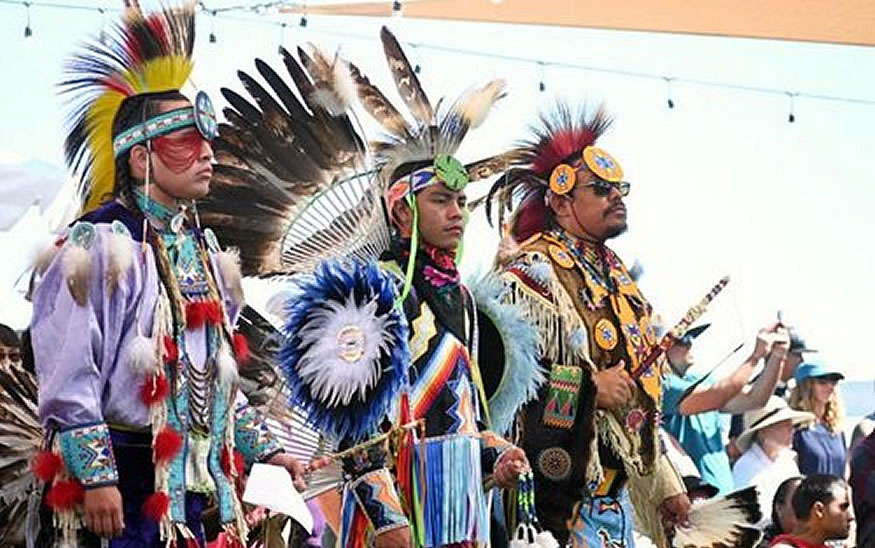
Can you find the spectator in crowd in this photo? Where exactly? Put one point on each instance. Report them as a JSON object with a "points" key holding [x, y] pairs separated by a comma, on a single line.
{"points": [[822, 506], [821, 447], [795, 355], [783, 518], [863, 489], [865, 427], [692, 403], [768, 457], [10, 347]]}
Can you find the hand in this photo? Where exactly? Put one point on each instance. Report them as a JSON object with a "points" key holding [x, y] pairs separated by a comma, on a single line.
{"points": [[103, 513], [764, 341], [394, 538], [675, 511], [509, 467], [614, 387], [294, 468]]}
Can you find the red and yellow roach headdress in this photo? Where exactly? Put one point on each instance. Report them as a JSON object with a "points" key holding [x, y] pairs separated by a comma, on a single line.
{"points": [[141, 54], [560, 144]]}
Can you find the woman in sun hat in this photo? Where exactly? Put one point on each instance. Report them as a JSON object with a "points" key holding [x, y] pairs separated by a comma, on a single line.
{"points": [[822, 447], [768, 457]]}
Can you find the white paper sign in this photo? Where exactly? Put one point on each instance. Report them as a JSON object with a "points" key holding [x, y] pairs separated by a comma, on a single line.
{"points": [[271, 486]]}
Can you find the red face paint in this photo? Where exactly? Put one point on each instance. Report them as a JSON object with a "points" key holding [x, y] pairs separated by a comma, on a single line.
{"points": [[180, 149]]}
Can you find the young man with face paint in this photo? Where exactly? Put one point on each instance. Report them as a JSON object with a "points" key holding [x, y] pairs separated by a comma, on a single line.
{"points": [[134, 307], [592, 434]]}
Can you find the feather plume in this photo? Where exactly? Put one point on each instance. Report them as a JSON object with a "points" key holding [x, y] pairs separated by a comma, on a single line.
{"points": [[76, 265], [406, 80], [229, 267], [377, 105], [143, 355], [474, 106], [120, 257], [335, 89], [45, 254], [227, 366]]}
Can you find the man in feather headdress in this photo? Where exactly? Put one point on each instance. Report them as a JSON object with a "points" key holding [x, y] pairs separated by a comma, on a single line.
{"points": [[134, 307], [592, 434], [382, 339]]}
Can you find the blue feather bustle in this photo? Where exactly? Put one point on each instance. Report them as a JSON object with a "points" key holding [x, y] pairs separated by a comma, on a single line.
{"points": [[337, 292]]}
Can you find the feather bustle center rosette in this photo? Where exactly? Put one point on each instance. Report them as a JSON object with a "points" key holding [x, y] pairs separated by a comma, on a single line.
{"points": [[345, 351]]}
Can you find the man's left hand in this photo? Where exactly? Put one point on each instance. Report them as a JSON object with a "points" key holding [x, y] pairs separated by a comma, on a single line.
{"points": [[294, 467], [509, 467], [675, 511]]}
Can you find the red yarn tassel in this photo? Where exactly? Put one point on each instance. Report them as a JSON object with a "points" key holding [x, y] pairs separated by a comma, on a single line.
{"points": [[46, 465], [64, 495], [213, 312], [166, 445], [171, 351], [156, 506], [241, 348], [195, 315], [154, 390]]}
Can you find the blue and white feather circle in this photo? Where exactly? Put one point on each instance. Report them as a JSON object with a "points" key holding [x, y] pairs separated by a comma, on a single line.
{"points": [[345, 350]]}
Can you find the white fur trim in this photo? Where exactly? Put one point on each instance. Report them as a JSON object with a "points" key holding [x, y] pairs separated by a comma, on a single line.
{"points": [[143, 355], [227, 366], [120, 257], [76, 265]]}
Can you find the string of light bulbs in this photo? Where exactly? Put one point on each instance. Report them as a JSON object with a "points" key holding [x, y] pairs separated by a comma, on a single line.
{"points": [[263, 9]]}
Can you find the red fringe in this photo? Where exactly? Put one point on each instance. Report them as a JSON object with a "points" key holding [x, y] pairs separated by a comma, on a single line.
{"points": [[166, 445], [156, 506], [171, 351], [46, 465], [154, 390], [198, 313], [64, 495], [239, 464], [241, 348]]}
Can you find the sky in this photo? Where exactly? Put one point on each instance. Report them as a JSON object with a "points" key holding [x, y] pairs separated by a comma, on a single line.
{"points": [[721, 184]]}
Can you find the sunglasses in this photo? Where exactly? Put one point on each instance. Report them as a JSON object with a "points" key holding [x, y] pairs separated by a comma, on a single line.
{"points": [[603, 188]]}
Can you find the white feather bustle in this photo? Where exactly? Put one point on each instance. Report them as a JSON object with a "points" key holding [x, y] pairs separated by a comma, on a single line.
{"points": [[545, 539], [519, 544], [226, 365], [76, 266], [228, 262], [120, 257], [143, 355], [474, 106]]}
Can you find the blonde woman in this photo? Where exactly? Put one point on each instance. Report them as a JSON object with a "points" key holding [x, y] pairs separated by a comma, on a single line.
{"points": [[821, 447]]}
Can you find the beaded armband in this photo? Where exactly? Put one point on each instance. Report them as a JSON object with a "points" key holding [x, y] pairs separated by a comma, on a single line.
{"points": [[87, 452]]}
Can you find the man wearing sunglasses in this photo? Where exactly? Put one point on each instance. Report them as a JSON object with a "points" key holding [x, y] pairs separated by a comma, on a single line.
{"points": [[591, 435]]}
